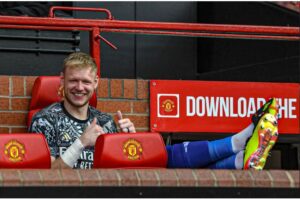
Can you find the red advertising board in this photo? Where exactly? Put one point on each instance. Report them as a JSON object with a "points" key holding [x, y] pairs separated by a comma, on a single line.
{"points": [[219, 107]]}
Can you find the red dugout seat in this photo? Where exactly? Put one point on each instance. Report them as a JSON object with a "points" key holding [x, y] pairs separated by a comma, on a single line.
{"points": [[24, 150], [130, 150], [45, 92]]}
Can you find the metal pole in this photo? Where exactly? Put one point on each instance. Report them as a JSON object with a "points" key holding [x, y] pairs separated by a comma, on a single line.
{"points": [[95, 47]]}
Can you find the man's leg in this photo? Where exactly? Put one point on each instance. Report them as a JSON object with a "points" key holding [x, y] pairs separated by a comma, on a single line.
{"points": [[232, 162], [188, 155], [199, 154], [202, 153], [220, 149], [239, 140]]}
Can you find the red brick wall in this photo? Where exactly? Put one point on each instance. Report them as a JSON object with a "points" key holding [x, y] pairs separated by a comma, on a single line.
{"points": [[129, 96], [150, 177]]}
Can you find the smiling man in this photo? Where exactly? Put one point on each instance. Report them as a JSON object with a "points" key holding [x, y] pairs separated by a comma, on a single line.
{"points": [[72, 126]]}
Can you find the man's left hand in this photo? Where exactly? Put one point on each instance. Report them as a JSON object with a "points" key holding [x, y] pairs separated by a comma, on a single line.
{"points": [[125, 124]]}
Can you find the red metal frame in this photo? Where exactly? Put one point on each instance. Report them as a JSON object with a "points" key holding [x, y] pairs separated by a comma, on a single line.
{"points": [[96, 26], [204, 34], [53, 8]]}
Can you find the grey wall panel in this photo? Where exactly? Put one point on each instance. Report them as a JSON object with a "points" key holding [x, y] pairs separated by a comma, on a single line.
{"points": [[114, 63], [146, 56], [166, 57], [33, 57], [251, 60]]}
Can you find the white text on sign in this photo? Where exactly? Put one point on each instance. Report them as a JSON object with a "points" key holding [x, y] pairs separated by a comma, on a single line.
{"points": [[235, 107]]}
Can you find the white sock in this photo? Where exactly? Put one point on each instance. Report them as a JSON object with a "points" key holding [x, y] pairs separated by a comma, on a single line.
{"points": [[239, 140], [239, 160]]}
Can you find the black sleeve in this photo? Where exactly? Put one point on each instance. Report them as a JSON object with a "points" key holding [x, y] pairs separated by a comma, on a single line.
{"points": [[45, 126]]}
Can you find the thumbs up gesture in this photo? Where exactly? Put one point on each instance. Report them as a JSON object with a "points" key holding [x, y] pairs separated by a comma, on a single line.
{"points": [[125, 125], [91, 133]]}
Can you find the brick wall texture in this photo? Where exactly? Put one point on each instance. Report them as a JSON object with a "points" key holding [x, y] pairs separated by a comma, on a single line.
{"points": [[132, 98], [150, 178]]}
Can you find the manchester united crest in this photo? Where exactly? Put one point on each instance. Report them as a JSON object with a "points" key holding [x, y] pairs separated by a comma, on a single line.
{"points": [[132, 149], [168, 105], [14, 150]]}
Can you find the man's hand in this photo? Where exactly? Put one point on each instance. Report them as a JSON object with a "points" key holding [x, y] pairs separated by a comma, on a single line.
{"points": [[125, 124], [91, 133]]}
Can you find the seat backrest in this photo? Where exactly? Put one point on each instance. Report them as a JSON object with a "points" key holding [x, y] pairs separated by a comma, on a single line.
{"points": [[130, 150], [45, 92], [24, 150]]}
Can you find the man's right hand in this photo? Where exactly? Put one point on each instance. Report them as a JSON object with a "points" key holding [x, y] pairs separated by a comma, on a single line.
{"points": [[91, 133]]}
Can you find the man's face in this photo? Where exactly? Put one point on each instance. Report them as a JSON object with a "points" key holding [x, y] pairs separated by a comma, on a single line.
{"points": [[79, 85]]}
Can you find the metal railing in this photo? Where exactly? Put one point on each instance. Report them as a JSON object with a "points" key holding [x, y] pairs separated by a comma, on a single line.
{"points": [[96, 26]]}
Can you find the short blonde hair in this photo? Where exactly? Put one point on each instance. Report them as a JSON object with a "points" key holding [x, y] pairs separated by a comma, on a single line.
{"points": [[79, 60]]}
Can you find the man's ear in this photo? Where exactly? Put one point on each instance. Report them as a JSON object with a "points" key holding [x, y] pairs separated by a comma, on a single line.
{"points": [[62, 78], [96, 82]]}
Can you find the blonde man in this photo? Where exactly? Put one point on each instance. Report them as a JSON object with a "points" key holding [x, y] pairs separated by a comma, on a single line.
{"points": [[72, 126]]}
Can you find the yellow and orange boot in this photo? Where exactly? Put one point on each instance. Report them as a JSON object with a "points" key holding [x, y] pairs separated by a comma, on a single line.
{"points": [[271, 107], [264, 136]]}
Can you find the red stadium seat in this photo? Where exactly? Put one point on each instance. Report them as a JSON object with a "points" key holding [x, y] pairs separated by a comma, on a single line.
{"points": [[130, 150], [45, 92], [24, 150]]}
